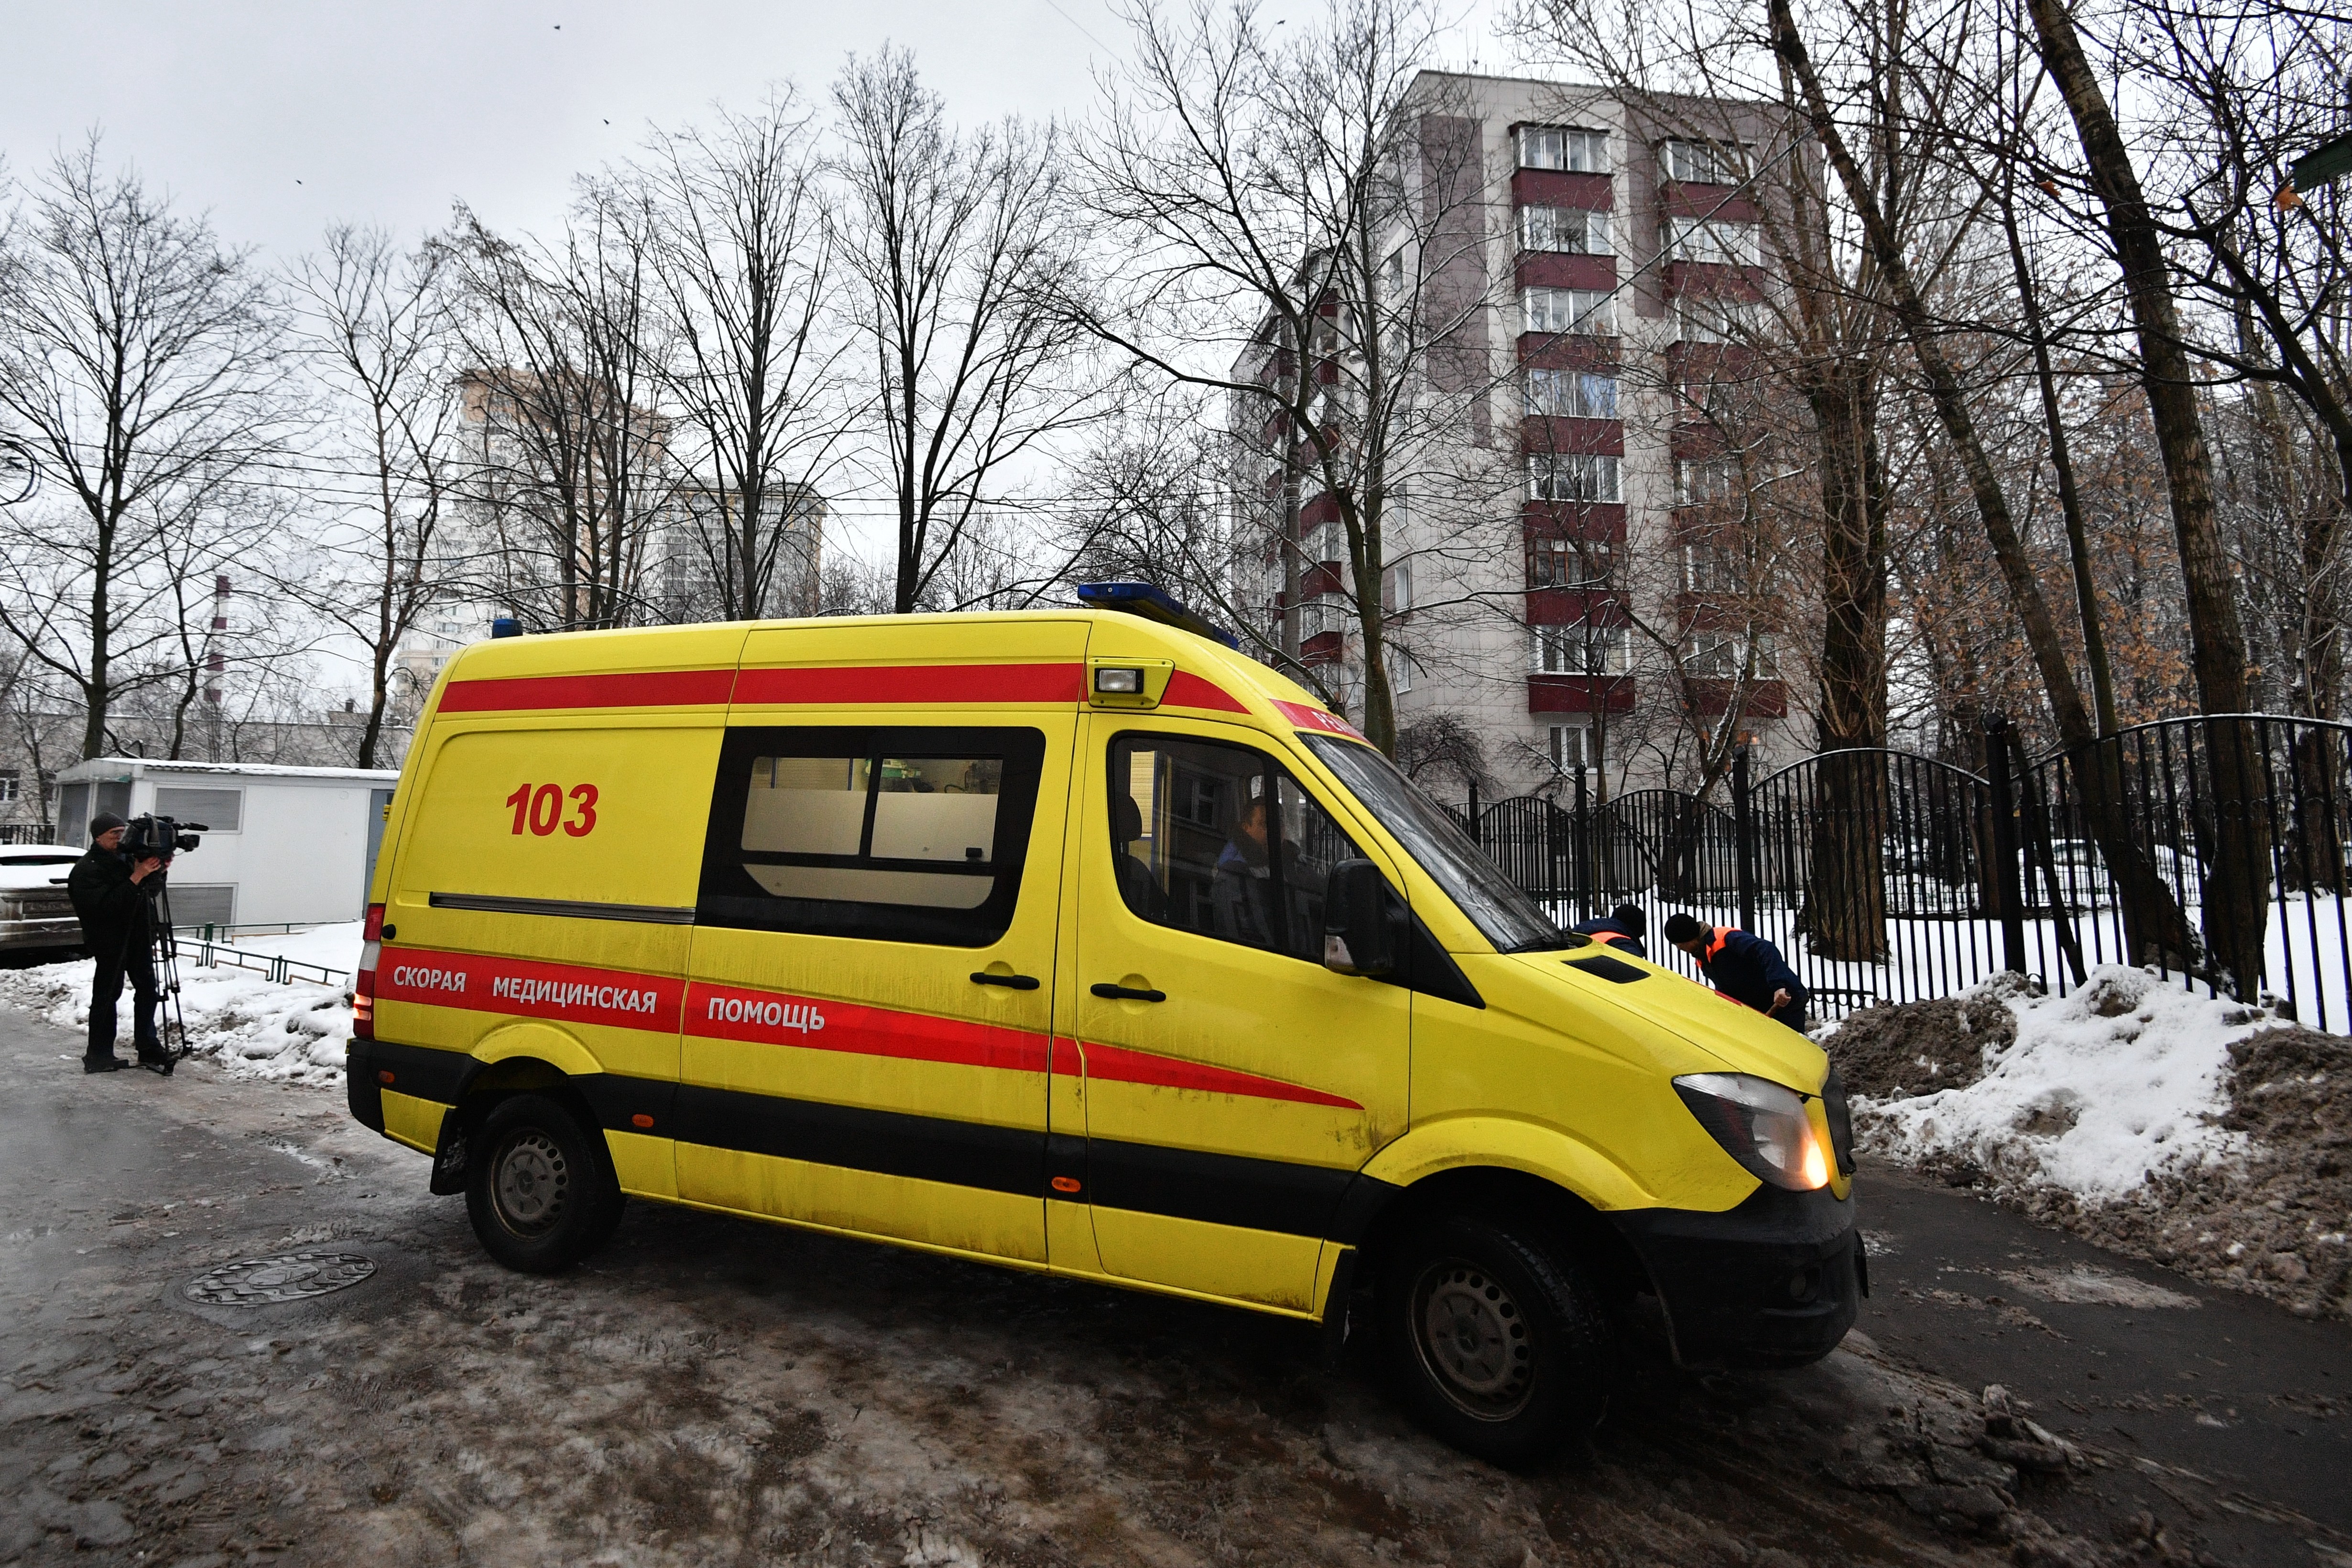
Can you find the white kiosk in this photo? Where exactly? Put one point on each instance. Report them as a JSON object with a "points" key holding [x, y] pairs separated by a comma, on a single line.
{"points": [[291, 846]]}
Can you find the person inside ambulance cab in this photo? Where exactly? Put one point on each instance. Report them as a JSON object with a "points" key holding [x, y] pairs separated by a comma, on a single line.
{"points": [[1744, 967], [1622, 928], [1240, 891]]}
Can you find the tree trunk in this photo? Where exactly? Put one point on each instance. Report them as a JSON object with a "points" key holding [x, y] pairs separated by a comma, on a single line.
{"points": [[1846, 890], [2236, 888], [2151, 917]]}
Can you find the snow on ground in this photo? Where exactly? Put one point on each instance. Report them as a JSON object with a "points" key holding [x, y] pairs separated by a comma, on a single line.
{"points": [[2101, 1088], [251, 1027]]}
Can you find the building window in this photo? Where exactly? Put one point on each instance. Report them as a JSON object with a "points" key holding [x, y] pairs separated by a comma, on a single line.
{"points": [[1582, 648], [1574, 746], [1572, 476], [1403, 672], [1324, 613], [1564, 147], [11, 784], [1396, 585], [1706, 240], [1719, 656], [1702, 162], [1588, 311], [1571, 394], [1704, 318], [1713, 569], [1572, 230], [1705, 481], [1570, 563]]}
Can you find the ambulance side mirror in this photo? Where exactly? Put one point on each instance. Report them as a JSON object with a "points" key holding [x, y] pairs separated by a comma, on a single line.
{"points": [[1356, 936]]}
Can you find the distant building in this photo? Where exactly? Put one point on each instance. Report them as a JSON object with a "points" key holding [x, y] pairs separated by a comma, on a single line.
{"points": [[1574, 590]]}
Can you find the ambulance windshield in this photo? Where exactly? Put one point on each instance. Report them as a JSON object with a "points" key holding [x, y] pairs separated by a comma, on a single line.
{"points": [[1503, 914]]}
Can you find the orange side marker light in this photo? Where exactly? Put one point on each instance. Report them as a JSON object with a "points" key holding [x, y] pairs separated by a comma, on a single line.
{"points": [[383, 1076], [641, 1119], [1066, 1183]]}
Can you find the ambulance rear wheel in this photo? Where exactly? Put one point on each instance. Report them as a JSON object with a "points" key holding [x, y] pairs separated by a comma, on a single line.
{"points": [[1493, 1338], [539, 1199]]}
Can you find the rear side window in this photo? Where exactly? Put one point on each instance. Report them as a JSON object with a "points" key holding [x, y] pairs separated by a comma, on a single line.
{"points": [[896, 835]]}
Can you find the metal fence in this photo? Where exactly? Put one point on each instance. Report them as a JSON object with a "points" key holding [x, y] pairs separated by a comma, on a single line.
{"points": [[23, 833], [2215, 849]]}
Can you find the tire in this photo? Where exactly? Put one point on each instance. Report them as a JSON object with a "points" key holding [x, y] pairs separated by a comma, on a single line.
{"points": [[1492, 1339], [539, 1198]]}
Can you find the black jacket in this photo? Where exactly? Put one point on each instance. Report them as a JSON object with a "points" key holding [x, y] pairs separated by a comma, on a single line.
{"points": [[1749, 969], [112, 909], [1615, 934]]}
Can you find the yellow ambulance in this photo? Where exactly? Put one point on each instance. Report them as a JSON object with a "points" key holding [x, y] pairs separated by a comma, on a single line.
{"points": [[1075, 942]]}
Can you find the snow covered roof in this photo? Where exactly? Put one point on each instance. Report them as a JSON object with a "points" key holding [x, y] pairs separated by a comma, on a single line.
{"points": [[138, 767]]}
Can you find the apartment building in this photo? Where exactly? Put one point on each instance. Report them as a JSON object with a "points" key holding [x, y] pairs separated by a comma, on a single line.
{"points": [[1575, 570]]}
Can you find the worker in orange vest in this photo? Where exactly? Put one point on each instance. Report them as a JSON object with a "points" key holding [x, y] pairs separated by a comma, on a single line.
{"points": [[1744, 967], [1620, 928]]}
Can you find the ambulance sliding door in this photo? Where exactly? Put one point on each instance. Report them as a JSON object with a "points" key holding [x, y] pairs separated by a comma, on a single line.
{"points": [[867, 1027]]}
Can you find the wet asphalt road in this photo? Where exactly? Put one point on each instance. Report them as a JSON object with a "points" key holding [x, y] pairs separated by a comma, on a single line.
{"points": [[2133, 1359], [713, 1390]]}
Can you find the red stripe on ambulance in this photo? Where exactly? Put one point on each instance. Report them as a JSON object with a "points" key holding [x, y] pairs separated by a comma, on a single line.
{"points": [[929, 683], [1116, 1064], [1307, 718], [566, 992], [775, 1019], [654, 688]]}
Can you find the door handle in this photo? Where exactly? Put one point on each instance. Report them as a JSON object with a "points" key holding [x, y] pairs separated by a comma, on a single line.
{"points": [[1010, 981], [1127, 993]]}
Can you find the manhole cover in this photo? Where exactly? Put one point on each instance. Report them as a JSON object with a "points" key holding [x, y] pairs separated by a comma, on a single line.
{"points": [[289, 1277]]}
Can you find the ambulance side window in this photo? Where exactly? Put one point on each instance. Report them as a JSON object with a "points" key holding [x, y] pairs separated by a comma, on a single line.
{"points": [[1218, 839], [889, 833]]}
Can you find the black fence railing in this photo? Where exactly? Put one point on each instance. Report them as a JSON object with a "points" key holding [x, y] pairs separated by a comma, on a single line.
{"points": [[2218, 851], [23, 833]]}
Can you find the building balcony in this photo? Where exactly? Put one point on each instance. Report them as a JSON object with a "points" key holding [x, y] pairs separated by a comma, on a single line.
{"points": [[1323, 648], [1580, 693], [1693, 198], [1566, 606], [1565, 350], [1573, 519], [1565, 269], [1764, 698], [1560, 188], [1547, 433], [1714, 281]]}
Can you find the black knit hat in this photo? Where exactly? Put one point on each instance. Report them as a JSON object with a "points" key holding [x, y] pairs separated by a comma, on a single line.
{"points": [[1683, 928], [104, 822], [1631, 917]]}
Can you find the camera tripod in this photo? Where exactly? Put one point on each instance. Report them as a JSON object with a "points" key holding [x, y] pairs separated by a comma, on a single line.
{"points": [[164, 956]]}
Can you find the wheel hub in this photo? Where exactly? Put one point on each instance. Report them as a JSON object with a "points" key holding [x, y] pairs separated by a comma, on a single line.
{"points": [[1473, 1340], [531, 1182]]}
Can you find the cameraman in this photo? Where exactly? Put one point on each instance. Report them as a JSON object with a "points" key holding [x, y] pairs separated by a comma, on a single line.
{"points": [[118, 927]]}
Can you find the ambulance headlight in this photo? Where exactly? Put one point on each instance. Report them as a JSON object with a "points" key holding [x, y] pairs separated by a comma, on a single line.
{"points": [[1760, 1124], [1119, 682]]}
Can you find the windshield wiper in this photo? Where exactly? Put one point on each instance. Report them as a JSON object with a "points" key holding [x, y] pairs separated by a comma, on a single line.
{"points": [[1550, 944]]}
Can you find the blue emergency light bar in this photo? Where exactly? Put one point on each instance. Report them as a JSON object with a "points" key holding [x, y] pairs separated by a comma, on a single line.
{"points": [[1153, 604]]}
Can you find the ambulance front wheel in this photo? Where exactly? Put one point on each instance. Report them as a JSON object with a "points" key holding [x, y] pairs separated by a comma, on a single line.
{"points": [[539, 1199], [1494, 1340]]}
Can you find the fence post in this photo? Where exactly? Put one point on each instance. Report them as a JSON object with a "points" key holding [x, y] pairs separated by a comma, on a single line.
{"points": [[1474, 837], [1579, 835], [1743, 839], [2009, 899]]}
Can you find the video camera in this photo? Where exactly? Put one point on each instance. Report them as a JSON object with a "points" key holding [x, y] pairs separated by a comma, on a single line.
{"points": [[159, 837]]}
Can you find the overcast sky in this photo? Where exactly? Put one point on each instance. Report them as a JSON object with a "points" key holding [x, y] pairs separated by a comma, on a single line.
{"points": [[282, 118]]}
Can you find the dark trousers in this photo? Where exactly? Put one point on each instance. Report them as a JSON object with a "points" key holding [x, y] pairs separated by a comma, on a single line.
{"points": [[135, 959]]}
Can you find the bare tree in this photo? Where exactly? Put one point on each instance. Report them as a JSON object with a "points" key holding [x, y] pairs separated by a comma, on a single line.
{"points": [[568, 476], [138, 361], [962, 248], [744, 256], [377, 326], [1315, 216]]}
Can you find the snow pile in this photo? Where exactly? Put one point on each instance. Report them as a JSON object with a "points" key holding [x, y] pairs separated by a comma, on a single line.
{"points": [[2099, 1093], [236, 1017], [2197, 1133]]}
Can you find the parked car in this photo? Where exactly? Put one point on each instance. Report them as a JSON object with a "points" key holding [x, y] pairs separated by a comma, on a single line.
{"points": [[34, 909]]}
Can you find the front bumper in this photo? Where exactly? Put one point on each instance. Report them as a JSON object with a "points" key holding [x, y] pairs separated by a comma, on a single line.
{"points": [[1774, 1283]]}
